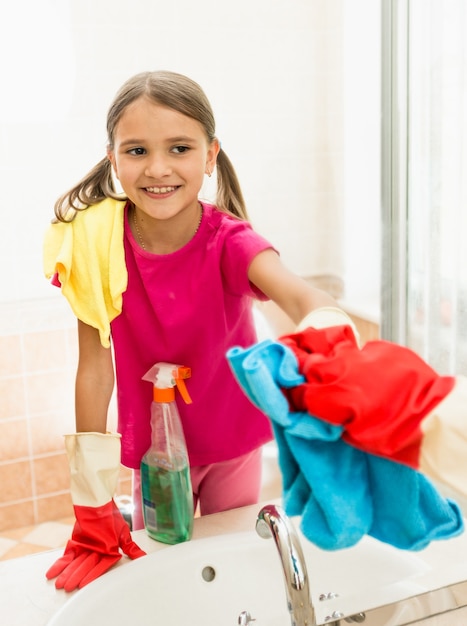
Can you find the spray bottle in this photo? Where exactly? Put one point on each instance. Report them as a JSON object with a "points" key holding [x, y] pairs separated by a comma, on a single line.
{"points": [[165, 472]]}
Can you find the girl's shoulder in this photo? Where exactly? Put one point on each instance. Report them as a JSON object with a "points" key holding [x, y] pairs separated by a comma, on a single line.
{"points": [[234, 236], [218, 219]]}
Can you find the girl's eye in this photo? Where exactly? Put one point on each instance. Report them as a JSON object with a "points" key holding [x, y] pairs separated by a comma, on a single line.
{"points": [[180, 149], [137, 151]]}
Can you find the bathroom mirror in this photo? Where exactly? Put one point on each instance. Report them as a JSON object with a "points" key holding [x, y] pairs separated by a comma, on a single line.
{"points": [[293, 110]]}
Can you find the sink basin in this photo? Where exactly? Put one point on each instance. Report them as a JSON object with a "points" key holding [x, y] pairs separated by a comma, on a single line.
{"points": [[210, 582]]}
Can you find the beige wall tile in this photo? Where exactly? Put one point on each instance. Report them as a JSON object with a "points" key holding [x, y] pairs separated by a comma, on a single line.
{"points": [[22, 549], [47, 432], [14, 440], [11, 363], [45, 351], [16, 515], [54, 507], [15, 479], [18, 534], [38, 315], [51, 474], [124, 488], [12, 394], [47, 392], [125, 473], [124, 481], [72, 343]]}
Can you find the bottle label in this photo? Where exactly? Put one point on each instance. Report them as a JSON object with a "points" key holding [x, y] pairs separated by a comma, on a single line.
{"points": [[149, 513], [167, 503]]}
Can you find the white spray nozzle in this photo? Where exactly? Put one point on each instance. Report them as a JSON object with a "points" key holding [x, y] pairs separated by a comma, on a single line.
{"points": [[167, 375]]}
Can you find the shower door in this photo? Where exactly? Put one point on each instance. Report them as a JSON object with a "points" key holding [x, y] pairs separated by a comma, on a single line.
{"points": [[424, 174]]}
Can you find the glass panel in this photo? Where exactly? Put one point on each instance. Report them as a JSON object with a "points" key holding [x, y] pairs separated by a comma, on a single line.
{"points": [[436, 183]]}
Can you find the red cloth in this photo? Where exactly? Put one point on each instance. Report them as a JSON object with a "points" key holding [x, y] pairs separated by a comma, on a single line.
{"points": [[380, 394]]}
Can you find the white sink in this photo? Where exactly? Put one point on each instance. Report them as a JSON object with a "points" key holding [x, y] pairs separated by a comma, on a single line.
{"points": [[210, 582]]}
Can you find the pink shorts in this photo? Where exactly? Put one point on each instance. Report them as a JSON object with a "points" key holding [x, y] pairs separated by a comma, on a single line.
{"points": [[216, 487]]}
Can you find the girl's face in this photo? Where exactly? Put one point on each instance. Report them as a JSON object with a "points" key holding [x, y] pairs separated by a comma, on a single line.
{"points": [[160, 157]]}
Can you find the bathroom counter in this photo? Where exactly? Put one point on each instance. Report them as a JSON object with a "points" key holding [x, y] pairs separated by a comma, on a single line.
{"points": [[27, 598]]}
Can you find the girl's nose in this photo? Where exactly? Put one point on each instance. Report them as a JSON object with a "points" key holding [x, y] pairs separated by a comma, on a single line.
{"points": [[157, 166]]}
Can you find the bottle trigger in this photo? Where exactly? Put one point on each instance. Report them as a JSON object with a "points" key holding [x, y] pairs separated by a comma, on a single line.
{"points": [[183, 390]]}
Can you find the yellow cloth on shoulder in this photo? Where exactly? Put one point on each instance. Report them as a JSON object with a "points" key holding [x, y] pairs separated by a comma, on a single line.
{"points": [[89, 258]]}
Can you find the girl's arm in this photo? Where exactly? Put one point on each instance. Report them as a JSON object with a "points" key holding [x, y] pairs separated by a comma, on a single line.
{"points": [[290, 292], [100, 531], [94, 381]]}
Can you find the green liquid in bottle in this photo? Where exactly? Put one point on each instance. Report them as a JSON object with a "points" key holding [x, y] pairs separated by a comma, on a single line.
{"points": [[167, 503]]}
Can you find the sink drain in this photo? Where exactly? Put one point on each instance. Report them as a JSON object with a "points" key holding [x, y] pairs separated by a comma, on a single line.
{"points": [[208, 573]]}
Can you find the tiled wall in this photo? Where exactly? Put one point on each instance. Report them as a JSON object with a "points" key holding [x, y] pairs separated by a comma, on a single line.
{"points": [[38, 352]]}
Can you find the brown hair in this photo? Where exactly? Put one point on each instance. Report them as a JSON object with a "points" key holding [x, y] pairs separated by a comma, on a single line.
{"points": [[174, 91]]}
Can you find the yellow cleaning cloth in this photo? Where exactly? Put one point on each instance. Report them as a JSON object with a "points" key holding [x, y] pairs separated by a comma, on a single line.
{"points": [[89, 258]]}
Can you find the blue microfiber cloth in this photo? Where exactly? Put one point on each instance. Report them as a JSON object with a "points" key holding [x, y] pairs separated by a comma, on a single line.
{"points": [[340, 492]]}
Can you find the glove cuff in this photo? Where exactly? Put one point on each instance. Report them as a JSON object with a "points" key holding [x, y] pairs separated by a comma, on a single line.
{"points": [[327, 316], [94, 461]]}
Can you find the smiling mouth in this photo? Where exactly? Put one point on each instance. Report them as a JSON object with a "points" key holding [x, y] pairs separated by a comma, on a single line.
{"points": [[160, 190]]}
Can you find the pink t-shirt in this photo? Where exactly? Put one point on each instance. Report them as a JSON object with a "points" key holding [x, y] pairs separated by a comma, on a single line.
{"points": [[189, 307]]}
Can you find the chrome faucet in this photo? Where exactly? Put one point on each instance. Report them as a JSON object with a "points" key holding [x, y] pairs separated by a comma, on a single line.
{"points": [[273, 522]]}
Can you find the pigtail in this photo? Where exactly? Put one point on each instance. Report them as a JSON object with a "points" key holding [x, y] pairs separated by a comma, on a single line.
{"points": [[229, 194], [97, 185]]}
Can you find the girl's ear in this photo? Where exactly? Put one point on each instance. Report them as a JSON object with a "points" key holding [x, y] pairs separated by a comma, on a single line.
{"points": [[111, 157], [211, 156]]}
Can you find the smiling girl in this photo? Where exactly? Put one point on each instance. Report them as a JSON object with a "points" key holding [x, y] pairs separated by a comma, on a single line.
{"points": [[158, 275]]}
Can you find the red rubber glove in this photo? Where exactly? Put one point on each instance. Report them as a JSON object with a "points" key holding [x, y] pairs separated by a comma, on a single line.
{"points": [[98, 535], [100, 531], [380, 394]]}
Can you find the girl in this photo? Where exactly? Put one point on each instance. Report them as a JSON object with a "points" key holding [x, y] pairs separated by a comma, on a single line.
{"points": [[167, 278]]}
